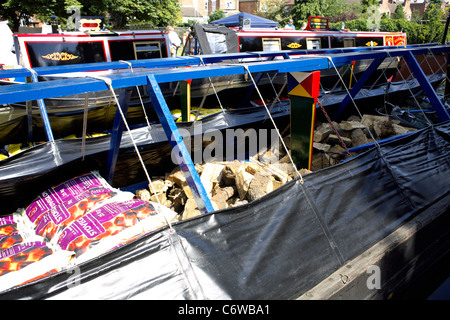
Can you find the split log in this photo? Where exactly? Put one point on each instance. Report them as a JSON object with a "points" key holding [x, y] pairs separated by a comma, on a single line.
{"points": [[243, 179], [229, 173], [260, 185], [334, 139], [211, 174], [359, 138], [221, 196]]}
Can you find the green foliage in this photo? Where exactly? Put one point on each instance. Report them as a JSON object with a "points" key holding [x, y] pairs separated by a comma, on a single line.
{"points": [[156, 13], [357, 24], [160, 13], [335, 8], [216, 15], [367, 3], [303, 9], [417, 32], [399, 13]]}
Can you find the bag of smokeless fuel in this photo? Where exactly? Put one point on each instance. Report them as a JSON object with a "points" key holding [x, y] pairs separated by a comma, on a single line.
{"points": [[13, 230], [30, 261], [63, 192], [11, 240], [107, 227], [9, 224], [55, 220]]}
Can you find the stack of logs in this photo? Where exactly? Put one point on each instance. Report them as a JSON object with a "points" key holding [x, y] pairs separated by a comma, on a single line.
{"points": [[234, 183], [354, 132], [228, 184]]}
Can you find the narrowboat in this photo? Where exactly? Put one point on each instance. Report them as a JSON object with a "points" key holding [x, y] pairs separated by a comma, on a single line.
{"points": [[45, 51], [331, 228], [90, 44], [239, 36]]}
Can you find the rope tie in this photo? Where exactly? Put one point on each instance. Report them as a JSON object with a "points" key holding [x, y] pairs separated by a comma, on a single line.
{"points": [[108, 82], [139, 93], [85, 118], [354, 103], [333, 127], [215, 91]]}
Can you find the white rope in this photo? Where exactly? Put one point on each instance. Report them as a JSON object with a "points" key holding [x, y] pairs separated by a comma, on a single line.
{"points": [[274, 124], [438, 64], [354, 103], [215, 92], [277, 98], [410, 91], [109, 84]]}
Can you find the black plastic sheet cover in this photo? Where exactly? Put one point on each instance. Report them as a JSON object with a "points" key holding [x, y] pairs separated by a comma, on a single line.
{"points": [[276, 247]]}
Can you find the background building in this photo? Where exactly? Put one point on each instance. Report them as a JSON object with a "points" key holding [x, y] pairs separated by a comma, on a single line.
{"points": [[199, 10], [409, 7]]}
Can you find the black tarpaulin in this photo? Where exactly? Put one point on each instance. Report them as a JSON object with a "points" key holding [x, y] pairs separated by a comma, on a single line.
{"points": [[279, 246]]}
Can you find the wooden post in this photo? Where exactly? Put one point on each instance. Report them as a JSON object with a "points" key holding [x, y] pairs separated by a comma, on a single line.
{"points": [[303, 88], [185, 95]]}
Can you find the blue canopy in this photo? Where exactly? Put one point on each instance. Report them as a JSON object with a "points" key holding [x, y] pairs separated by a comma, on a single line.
{"points": [[256, 22]]}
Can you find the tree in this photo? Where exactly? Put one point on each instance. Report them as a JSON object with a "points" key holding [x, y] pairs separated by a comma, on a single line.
{"points": [[335, 8], [157, 13], [276, 10], [433, 13], [367, 3], [16, 11], [303, 9], [399, 13]]}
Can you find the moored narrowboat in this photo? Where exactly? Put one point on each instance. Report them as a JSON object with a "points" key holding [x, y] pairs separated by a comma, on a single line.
{"points": [[89, 46]]}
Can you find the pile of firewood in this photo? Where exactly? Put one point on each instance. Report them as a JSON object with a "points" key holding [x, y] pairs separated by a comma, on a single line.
{"points": [[234, 183], [228, 184], [329, 147]]}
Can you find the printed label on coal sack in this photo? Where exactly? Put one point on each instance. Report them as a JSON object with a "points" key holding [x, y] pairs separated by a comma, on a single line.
{"points": [[90, 227], [7, 220], [62, 193], [91, 224], [19, 248]]}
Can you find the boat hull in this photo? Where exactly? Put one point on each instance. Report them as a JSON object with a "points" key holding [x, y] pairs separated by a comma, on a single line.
{"points": [[256, 251]]}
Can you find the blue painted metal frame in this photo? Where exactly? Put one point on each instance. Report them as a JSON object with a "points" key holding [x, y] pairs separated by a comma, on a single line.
{"points": [[203, 59], [43, 111], [436, 103], [116, 134], [417, 71], [358, 85]]}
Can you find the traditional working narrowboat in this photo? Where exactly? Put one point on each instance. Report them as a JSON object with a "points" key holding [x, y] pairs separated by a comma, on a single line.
{"points": [[317, 34], [89, 44], [236, 34]]}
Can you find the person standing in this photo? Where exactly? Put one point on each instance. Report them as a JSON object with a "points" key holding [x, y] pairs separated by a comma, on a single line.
{"points": [[290, 25], [174, 41]]}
